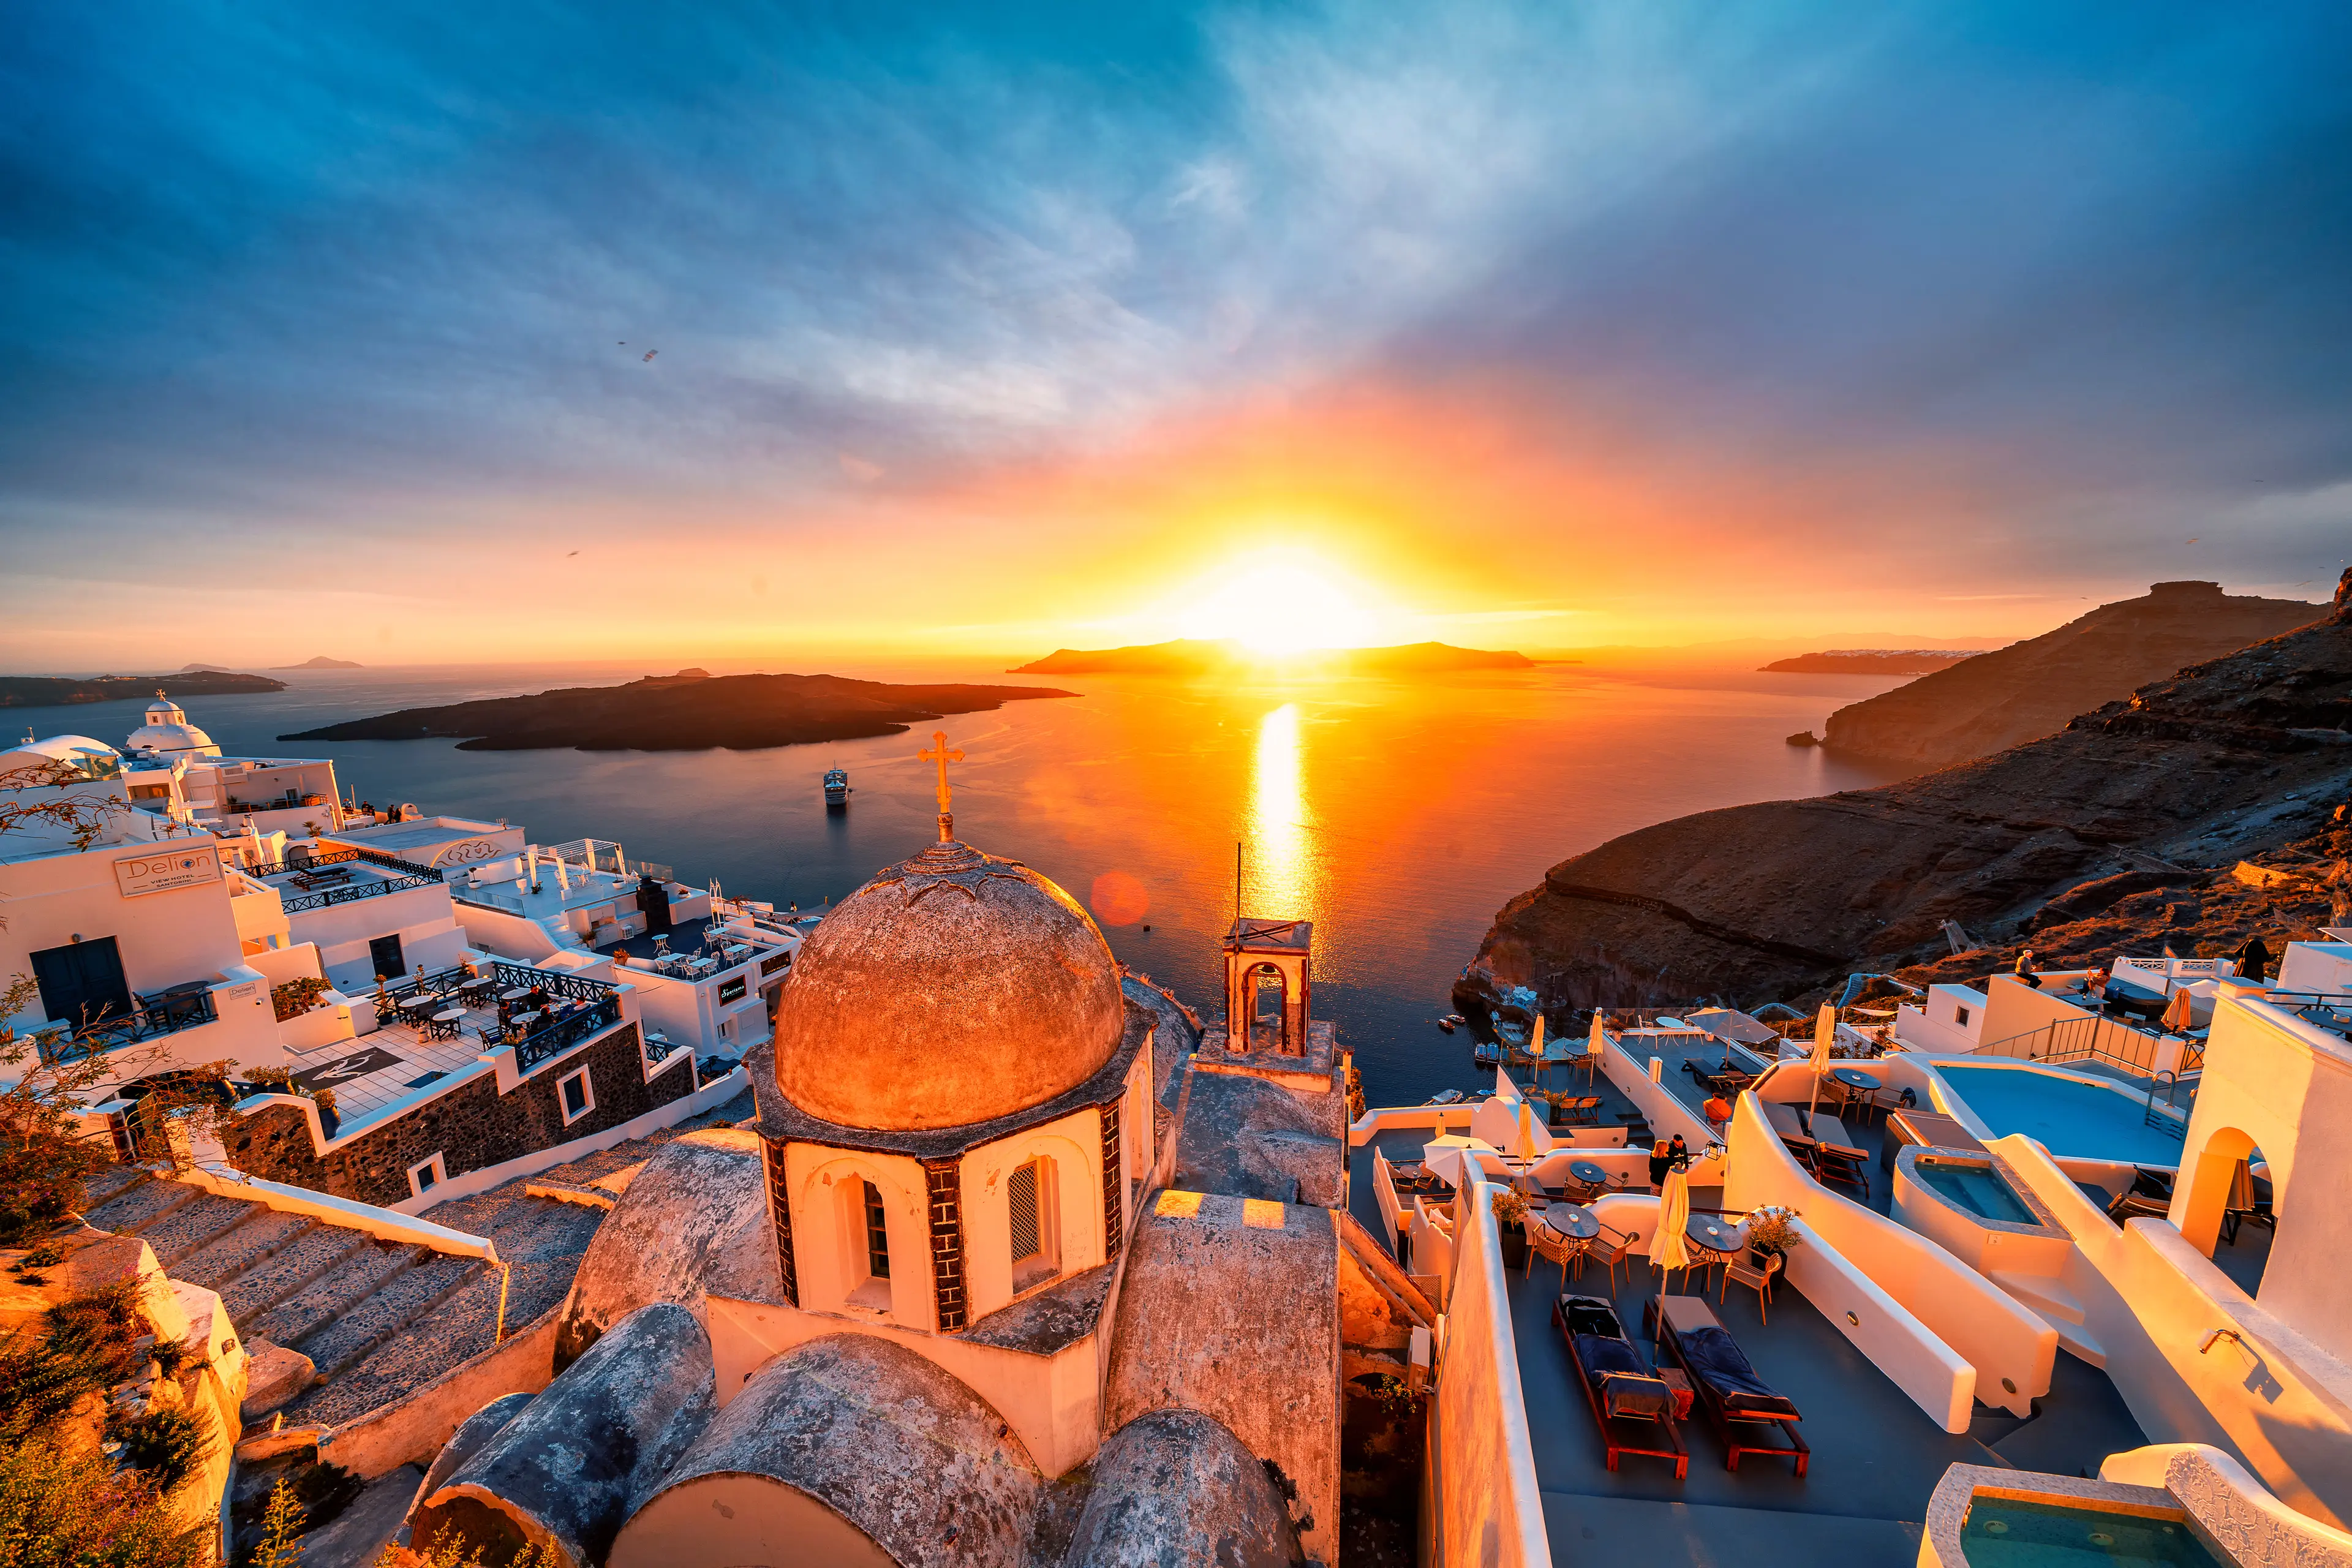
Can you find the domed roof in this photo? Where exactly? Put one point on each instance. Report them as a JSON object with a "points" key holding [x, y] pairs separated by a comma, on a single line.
{"points": [[167, 730], [952, 989]]}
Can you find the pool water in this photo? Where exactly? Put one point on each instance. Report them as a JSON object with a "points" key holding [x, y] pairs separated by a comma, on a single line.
{"points": [[2008, 1533], [1976, 1188], [2069, 1117]]}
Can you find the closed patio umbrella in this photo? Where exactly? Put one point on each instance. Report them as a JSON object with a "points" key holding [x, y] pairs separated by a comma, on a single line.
{"points": [[1670, 1249], [2181, 1013], [1825, 1036], [1524, 1147]]}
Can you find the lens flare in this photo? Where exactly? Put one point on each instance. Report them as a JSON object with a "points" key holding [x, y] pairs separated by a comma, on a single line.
{"points": [[1283, 606]]}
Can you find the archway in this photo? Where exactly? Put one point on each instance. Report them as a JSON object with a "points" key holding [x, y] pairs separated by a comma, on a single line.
{"points": [[1269, 1006]]}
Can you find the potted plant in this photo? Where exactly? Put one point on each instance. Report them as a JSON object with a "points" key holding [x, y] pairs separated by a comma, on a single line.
{"points": [[1511, 1222], [1772, 1231]]}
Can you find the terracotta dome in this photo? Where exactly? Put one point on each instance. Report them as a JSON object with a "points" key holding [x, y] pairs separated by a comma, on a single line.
{"points": [[953, 988]]}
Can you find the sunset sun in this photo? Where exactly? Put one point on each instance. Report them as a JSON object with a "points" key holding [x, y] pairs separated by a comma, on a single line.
{"points": [[1283, 606]]}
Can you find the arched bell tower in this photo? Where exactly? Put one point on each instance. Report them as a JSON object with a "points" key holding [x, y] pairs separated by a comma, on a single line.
{"points": [[1266, 985]]}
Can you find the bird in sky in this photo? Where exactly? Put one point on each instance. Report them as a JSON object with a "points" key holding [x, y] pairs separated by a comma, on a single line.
{"points": [[569, 553], [650, 352], [2192, 541]]}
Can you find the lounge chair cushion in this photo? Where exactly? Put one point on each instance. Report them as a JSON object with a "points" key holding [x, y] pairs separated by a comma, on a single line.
{"points": [[1626, 1394], [1716, 1358]]}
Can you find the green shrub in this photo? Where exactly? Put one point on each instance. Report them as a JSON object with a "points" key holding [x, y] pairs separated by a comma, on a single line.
{"points": [[62, 1509], [169, 1444]]}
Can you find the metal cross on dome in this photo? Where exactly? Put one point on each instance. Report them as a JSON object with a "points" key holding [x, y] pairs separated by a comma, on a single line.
{"points": [[940, 754]]}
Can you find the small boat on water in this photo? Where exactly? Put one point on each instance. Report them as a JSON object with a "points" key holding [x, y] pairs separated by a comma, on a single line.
{"points": [[1447, 1023], [836, 788]]}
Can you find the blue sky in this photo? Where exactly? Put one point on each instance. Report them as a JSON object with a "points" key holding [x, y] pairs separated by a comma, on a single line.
{"points": [[2022, 297]]}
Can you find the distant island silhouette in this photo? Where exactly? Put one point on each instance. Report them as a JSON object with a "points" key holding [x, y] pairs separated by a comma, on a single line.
{"points": [[1872, 661], [689, 712], [321, 662], [1193, 656], [59, 691]]}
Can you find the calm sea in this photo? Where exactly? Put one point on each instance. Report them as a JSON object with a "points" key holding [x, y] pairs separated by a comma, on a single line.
{"points": [[1397, 816]]}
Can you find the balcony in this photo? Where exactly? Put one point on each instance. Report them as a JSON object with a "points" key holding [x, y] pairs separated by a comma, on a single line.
{"points": [[165, 1013]]}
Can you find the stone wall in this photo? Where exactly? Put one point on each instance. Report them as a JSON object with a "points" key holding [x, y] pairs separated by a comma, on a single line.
{"points": [[470, 1127]]}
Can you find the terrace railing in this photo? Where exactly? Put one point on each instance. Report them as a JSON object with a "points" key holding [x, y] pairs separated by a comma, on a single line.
{"points": [[155, 1017], [2089, 1039], [550, 1040], [403, 875]]}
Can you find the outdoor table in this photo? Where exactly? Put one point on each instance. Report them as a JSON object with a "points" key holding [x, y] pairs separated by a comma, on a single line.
{"points": [[1588, 1173], [1710, 1233], [1573, 1221], [1854, 1077], [445, 1022], [514, 994], [419, 1004], [524, 1020]]}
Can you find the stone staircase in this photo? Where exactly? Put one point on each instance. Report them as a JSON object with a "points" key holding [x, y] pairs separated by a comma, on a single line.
{"points": [[377, 1319]]}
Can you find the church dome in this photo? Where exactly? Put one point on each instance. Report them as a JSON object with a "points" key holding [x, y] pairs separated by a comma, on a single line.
{"points": [[952, 989], [167, 730]]}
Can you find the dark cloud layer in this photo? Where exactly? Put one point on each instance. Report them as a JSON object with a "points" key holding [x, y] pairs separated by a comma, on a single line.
{"points": [[259, 260]]}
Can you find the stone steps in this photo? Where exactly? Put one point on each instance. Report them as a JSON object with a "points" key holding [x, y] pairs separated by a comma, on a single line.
{"points": [[387, 1312], [112, 1182], [287, 1269], [141, 1205], [460, 1328], [261, 1236], [194, 1225], [369, 1266]]}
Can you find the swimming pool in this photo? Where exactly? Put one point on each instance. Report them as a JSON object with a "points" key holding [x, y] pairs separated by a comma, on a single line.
{"points": [[1977, 1188], [2013, 1533], [2071, 1117]]}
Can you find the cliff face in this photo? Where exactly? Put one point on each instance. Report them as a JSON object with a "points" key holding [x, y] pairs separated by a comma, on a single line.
{"points": [[1756, 902], [2031, 688]]}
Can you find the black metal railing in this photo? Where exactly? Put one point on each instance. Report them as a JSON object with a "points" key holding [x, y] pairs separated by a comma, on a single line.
{"points": [[154, 1017], [550, 1040], [404, 876]]}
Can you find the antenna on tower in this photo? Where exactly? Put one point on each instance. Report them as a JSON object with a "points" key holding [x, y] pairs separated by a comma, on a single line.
{"points": [[1237, 879]]}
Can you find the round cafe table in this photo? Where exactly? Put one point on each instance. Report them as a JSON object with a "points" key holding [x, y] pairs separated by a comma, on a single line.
{"points": [[1854, 1077], [419, 1004], [1572, 1221], [516, 995], [1710, 1233], [1588, 1173]]}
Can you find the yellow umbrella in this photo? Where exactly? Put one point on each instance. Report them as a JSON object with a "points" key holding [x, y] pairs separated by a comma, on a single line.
{"points": [[1670, 1249]]}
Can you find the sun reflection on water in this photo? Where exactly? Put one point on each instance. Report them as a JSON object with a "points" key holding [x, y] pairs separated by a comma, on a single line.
{"points": [[1280, 879]]}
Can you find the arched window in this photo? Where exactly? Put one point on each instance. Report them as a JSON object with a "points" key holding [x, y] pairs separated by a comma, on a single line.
{"points": [[1269, 1016], [1034, 1224], [867, 1229]]}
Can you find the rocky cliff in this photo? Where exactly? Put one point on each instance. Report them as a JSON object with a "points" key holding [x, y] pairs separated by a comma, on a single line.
{"points": [[2031, 688], [2243, 754]]}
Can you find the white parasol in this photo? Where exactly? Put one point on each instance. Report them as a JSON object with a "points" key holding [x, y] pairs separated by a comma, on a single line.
{"points": [[1670, 1248], [1443, 1156]]}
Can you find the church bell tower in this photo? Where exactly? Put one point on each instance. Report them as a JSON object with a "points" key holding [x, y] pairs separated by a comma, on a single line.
{"points": [[1266, 985]]}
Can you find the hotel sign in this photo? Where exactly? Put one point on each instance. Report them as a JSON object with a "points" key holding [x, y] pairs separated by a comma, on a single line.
{"points": [[168, 870]]}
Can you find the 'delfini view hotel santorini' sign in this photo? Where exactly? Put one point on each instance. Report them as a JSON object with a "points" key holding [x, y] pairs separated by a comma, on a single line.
{"points": [[167, 869]]}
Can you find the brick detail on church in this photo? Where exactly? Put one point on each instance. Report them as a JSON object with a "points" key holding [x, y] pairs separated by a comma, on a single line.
{"points": [[780, 1212], [946, 1195], [1114, 1179]]}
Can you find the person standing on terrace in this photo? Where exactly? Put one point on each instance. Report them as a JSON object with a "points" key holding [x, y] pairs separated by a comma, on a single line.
{"points": [[2253, 960]]}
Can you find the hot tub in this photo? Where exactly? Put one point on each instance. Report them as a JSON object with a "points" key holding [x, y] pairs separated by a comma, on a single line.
{"points": [[1980, 1517], [1974, 1185], [1974, 1208]]}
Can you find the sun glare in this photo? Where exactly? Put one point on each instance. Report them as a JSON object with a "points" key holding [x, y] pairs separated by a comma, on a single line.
{"points": [[1281, 607]]}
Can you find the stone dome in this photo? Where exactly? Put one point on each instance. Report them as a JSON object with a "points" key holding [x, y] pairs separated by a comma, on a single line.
{"points": [[168, 731], [952, 989]]}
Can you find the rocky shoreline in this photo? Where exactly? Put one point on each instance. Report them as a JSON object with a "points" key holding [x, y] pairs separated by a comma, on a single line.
{"points": [[2152, 800]]}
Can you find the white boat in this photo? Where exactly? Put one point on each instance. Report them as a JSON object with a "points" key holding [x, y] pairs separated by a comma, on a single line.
{"points": [[836, 787]]}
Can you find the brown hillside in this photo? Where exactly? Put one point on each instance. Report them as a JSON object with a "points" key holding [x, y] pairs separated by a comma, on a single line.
{"points": [[2234, 757], [2031, 688]]}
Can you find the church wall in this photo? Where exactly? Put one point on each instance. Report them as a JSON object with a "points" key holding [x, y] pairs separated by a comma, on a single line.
{"points": [[1073, 1143], [1054, 1404], [829, 1242]]}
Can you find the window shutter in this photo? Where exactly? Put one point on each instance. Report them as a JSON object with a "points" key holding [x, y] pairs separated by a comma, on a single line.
{"points": [[1021, 1191]]}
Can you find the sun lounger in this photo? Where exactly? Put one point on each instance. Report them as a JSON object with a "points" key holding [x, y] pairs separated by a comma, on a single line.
{"points": [[1784, 1122], [1745, 1410], [1633, 1407]]}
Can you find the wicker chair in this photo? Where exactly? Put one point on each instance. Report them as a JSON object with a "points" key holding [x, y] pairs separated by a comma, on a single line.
{"points": [[1611, 1247], [1553, 1247], [1745, 1271]]}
